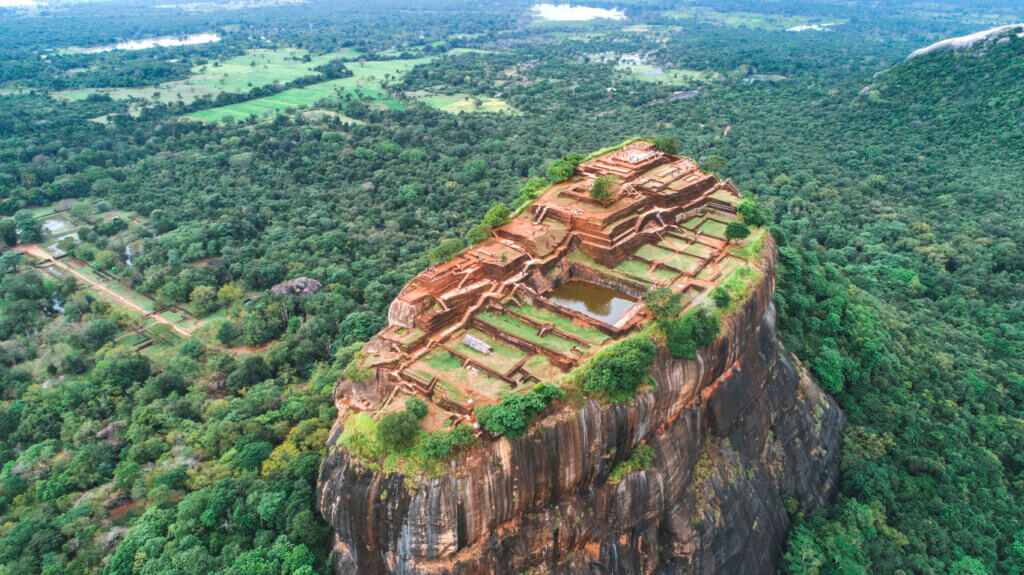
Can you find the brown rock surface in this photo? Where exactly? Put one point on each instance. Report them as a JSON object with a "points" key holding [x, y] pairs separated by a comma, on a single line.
{"points": [[734, 431]]}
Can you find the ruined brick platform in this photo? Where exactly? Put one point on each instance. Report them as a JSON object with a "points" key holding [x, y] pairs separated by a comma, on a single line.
{"points": [[462, 333]]}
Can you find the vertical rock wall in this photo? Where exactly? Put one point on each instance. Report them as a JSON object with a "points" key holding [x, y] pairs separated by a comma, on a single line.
{"points": [[735, 432]]}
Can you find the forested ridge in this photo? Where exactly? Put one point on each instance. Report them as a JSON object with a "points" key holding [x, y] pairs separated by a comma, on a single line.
{"points": [[893, 187]]}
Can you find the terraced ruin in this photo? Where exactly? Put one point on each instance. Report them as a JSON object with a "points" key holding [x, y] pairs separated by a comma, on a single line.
{"points": [[562, 279]]}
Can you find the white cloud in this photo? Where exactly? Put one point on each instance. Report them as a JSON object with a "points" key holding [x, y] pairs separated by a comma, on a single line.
{"points": [[566, 12]]}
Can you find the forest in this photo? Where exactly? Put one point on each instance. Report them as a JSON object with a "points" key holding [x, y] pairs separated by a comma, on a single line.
{"points": [[892, 187]]}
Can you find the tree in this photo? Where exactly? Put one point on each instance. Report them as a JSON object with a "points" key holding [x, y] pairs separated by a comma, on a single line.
{"points": [[445, 251], [478, 233], [601, 189], [228, 294], [417, 407], [228, 332], [721, 297], [559, 171], [511, 417], [251, 371], [359, 326], [31, 228], [439, 445], [618, 370], [750, 213], [161, 333], [664, 304], [714, 163], [192, 347], [498, 215], [669, 145], [204, 298], [691, 332], [736, 231], [397, 430], [9, 232]]}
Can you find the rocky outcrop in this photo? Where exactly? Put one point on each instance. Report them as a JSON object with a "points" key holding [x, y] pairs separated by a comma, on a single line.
{"points": [[297, 286], [736, 433]]}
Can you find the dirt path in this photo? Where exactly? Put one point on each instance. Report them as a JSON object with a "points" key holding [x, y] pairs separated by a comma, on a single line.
{"points": [[35, 251]]}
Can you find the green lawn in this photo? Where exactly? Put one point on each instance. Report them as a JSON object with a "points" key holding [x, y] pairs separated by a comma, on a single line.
{"points": [[365, 83]]}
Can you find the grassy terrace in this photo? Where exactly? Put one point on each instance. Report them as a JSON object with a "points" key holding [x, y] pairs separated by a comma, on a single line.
{"points": [[563, 323], [634, 269], [699, 250], [526, 332], [580, 257], [683, 262], [713, 228], [652, 252], [504, 358]]}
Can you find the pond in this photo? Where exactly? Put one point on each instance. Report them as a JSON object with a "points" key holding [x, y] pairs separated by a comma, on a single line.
{"points": [[601, 303]]}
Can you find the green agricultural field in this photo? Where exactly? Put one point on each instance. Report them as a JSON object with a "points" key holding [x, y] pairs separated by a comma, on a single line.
{"points": [[239, 74], [651, 73], [366, 83]]}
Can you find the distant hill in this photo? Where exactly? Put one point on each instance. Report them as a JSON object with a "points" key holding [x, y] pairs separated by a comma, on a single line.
{"points": [[998, 34]]}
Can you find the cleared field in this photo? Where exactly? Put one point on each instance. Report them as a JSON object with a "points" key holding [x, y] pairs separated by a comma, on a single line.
{"points": [[651, 73], [458, 103], [239, 74], [366, 83], [503, 359]]}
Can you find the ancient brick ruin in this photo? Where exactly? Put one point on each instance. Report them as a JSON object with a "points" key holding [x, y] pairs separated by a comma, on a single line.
{"points": [[491, 320]]}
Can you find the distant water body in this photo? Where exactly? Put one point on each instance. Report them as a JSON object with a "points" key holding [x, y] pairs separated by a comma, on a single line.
{"points": [[569, 13], [163, 41]]}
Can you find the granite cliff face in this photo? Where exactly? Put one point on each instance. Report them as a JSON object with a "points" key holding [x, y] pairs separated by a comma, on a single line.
{"points": [[735, 432]]}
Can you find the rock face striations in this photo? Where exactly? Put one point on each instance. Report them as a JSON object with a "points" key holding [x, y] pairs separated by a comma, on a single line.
{"points": [[738, 434]]}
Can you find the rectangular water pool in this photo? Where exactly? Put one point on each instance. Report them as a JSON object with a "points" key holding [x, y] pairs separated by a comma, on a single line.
{"points": [[601, 303]]}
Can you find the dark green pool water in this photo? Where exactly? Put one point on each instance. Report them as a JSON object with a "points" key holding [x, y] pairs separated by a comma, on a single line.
{"points": [[596, 301]]}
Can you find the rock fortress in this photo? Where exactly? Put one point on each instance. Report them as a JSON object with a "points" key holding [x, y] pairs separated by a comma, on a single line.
{"points": [[735, 434]]}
